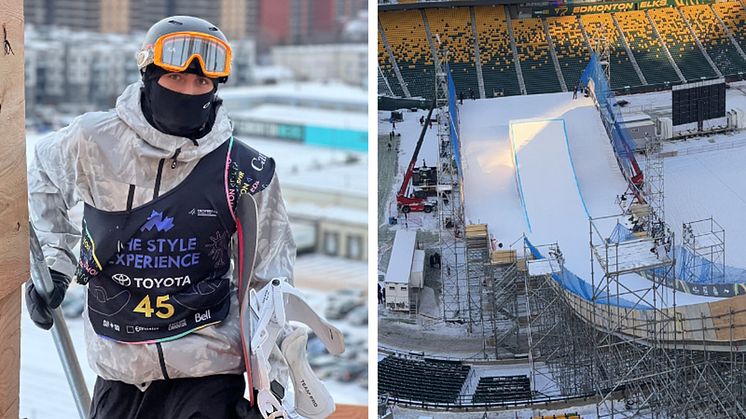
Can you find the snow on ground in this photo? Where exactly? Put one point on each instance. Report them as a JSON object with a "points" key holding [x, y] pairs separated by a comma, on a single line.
{"points": [[710, 184], [491, 187], [705, 176], [585, 411], [410, 129]]}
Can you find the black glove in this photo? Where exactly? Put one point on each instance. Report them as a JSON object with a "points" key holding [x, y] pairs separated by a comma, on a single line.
{"points": [[40, 312]]}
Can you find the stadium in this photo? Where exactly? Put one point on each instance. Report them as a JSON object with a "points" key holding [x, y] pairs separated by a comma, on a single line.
{"points": [[556, 181]]}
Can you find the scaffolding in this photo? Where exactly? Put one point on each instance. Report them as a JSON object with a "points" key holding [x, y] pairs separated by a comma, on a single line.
{"points": [[653, 187], [703, 255], [557, 350], [634, 348], [633, 320], [501, 304], [631, 346], [602, 47], [477, 260], [450, 207]]}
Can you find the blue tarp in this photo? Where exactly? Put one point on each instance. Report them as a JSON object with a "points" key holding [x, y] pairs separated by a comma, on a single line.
{"points": [[706, 274], [611, 115], [581, 288], [454, 122]]}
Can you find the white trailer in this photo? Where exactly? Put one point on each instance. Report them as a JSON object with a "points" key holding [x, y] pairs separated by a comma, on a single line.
{"points": [[397, 281]]}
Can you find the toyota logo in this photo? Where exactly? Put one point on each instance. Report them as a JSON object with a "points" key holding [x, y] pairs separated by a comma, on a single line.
{"points": [[122, 279]]}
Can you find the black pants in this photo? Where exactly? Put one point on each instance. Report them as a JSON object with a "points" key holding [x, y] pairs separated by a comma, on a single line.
{"points": [[213, 397]]}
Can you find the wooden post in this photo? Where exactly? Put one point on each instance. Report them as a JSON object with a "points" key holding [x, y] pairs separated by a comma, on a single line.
{"points": [[14, 245]]}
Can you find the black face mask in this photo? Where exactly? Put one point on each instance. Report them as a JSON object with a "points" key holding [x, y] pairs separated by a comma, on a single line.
{"points": [[176, 113]]}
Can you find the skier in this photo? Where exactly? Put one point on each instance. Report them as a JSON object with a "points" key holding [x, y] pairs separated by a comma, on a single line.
{"points": [[461, 98], [575, 92], [422, 120], [173, 203]]}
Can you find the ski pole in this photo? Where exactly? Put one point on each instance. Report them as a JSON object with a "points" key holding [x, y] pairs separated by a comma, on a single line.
{"points": [[43, 282]]}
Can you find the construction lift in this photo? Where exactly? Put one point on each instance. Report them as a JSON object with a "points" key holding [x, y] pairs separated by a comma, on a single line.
{"points": [[413, 203]]}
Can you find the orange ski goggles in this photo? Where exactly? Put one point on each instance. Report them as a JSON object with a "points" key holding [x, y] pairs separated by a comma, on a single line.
{"points": [[175, 51]]}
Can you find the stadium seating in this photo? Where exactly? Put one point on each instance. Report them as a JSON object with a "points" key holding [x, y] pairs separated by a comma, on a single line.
{"points": [[453, 26], [495, 53], [734, 17], [572, 51], [601, 26], [405, 32], [646, 47], [387, 69], [680, 42], [539, 73], [714, 39], [427, 381], [502, 389]]}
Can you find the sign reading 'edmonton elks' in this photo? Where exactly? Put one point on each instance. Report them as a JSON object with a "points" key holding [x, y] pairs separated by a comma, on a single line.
{"points": [[612, 7]]}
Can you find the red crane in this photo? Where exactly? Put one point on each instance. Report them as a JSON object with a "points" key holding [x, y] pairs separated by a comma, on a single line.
{"points": [[406, 203]]}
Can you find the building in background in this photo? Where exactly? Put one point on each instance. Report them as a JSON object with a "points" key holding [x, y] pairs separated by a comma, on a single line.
{"points": [[60, 72], [326, 193], [271, 22], [347, 63], [328, 115]]}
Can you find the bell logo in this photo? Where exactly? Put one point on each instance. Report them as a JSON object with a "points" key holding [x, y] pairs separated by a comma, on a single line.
{"points": [[202, 317]]}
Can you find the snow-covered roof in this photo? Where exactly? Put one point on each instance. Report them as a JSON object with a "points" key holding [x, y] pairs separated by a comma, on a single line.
{"points": [[402, 255], [265, 72], [356, 121], [298, 158], [351, 179], [321, 47], [334, 213], [328, 272], [319, 91]]}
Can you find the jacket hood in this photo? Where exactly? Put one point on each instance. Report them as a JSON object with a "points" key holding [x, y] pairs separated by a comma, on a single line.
{"points": [[156, 144]]}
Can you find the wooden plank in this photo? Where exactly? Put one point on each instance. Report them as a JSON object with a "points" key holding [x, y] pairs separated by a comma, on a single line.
{"points": [[476, 230], [721, 317], [503, 257], [14, 248], [346, 411], [13, 195], [10, 353]]}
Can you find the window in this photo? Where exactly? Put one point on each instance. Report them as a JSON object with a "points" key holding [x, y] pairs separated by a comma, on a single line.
{"points": [[331, 243], [354, 247]]}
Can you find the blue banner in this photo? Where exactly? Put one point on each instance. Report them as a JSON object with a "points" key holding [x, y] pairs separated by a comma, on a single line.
{"points": [[454, 123], [594, 77]]}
